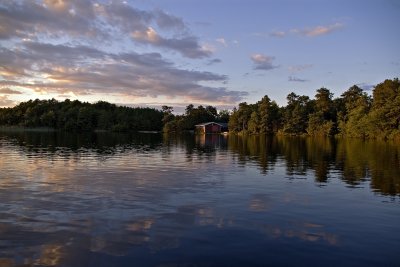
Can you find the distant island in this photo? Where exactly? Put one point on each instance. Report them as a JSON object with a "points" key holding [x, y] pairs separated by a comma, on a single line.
{"points": [[354, 114], [81, 116]]}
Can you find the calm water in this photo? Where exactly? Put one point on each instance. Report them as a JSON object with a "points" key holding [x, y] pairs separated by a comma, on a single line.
{"points": [[153, 200]]}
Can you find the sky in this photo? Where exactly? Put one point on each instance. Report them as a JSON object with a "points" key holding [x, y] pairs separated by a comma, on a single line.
{"points": [[209, 52]]}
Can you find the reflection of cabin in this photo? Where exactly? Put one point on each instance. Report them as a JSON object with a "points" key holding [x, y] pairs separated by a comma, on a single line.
{"points": [[208, 142], [211, 127]]}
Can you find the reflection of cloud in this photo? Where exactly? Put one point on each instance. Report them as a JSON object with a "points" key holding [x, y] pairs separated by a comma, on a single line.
{"points": [[290, 198], [51, 255], [97, 243], [306, 231], [259, 203], [140, 226], [7, 262]]}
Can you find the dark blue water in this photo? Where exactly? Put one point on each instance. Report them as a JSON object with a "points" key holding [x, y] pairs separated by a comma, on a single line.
{"points": [[152, 200]]}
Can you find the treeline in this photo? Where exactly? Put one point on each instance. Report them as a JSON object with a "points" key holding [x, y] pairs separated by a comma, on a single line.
{"points": [[191, 117], [353, 114], [81, 116]]}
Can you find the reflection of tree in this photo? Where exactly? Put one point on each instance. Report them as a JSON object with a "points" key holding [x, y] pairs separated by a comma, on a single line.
{"points": [[304, 153], [294, 149], [358, 159], [384, 167], [61, 143], [320, 155], [354, 160], [195, 146], [259, 148]]}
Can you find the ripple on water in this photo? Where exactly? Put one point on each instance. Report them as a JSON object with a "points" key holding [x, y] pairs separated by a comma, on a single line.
{"points": [[69, 202]]}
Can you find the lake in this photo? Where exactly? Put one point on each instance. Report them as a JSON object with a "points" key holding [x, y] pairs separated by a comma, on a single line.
{"points": [[107, 199]]}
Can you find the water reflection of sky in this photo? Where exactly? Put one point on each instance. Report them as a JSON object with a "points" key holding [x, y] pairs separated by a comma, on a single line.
{"points": [[177, 201]]}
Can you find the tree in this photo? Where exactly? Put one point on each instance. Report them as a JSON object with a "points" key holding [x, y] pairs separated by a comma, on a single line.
{"points": [[168, 116], [167, 109], [254, 123], [191, 117], [295, 115], [233, 124], [189, 109], [78, 116], [324, 103], [223, 115], [352, 117], [323, 120], [385, 111], [269, 115], [212, 111], [244, 113], [264, 107]]}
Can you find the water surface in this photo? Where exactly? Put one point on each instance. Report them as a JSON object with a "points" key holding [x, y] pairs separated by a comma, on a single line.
{"points": [[151, 200]]}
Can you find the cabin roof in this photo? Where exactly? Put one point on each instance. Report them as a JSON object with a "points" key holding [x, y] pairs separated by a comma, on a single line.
{"points": [[222, 124]]}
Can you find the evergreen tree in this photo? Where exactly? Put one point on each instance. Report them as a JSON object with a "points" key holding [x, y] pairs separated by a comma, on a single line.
{"points": [[323, 120], [295, 118]]}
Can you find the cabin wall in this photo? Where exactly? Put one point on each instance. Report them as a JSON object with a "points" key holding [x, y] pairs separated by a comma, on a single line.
{"points": [[200, 130], [209, 128], [212, 128]]}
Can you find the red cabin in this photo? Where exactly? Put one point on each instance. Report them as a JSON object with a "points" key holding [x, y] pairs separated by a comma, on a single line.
{"points": [[211, 127]]}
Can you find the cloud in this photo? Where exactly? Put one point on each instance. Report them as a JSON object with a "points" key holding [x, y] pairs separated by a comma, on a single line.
{"points": [[8, 91], [178, 107], [318, 30], [279, 34], [295, 79], [299, 68], [309, 32], [214, 61], [221, 41], [263, 62], [5, 102], [86, 70], [168, 21], [29, 19], [366, 86], [93, 22], [149, 35], [187, 46], [83, 47]]}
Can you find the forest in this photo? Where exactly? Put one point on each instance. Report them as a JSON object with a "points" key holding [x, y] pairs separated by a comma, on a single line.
{"points": [[354, 114], [191, 117], [81, 116]]}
